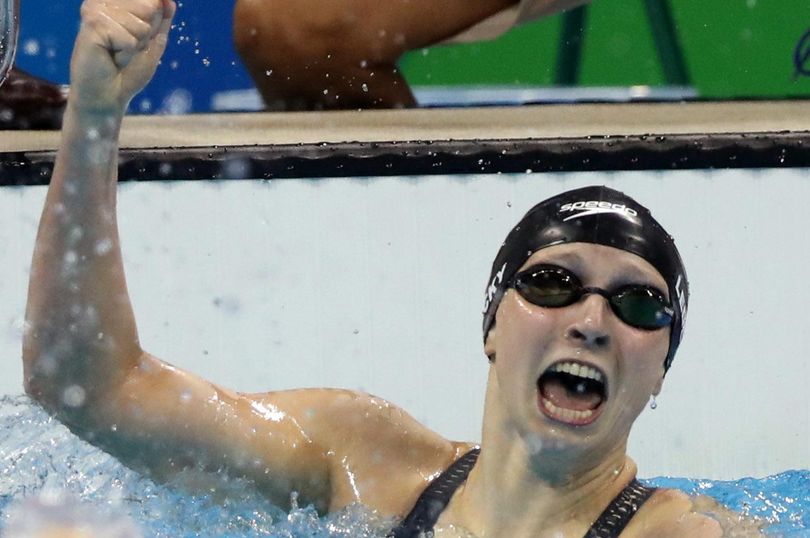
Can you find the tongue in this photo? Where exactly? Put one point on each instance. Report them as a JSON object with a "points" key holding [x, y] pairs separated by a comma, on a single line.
{"points": [[556, 391]]}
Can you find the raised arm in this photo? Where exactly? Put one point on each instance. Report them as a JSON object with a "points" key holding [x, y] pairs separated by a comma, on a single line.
{"points": [[81, 337], [82, 358]]}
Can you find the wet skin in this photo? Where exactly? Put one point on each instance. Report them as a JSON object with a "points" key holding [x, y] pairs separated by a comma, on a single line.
{"points": [[84, 363], [527, 339], [540, 476]]}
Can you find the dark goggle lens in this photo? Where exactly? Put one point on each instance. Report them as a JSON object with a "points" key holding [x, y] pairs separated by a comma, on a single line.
{"points": [[548, 287], [638, 306], [641, 307]]}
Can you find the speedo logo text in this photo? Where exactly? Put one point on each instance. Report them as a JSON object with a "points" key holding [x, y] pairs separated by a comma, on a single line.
{"points": [[596, 207]]}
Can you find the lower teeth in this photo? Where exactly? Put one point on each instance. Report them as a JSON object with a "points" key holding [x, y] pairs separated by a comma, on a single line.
{"points": [[566, 414]]}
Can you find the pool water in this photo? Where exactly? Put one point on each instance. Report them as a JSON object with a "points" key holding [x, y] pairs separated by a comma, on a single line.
{"points": [[39, 456]]}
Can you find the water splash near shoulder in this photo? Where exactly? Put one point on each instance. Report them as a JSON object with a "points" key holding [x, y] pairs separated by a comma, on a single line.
{"points": [[40, 458], [781, 501]]}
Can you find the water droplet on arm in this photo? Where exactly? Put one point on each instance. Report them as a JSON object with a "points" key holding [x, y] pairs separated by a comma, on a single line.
{"points": [[73, 396], [103, 246]]}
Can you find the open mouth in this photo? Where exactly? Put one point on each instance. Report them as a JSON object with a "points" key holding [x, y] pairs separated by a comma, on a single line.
{"points": [[572, 392]]}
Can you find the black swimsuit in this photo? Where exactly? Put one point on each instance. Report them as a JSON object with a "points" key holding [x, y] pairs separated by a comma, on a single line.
{"points": [[436, 497]]}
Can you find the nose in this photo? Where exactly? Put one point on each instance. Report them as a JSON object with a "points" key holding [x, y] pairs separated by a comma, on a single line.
{"points": [[589, 323]]}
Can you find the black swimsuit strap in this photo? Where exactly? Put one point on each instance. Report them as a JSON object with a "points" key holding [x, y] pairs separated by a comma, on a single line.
{"points": [[432, 502], [620, 510]]}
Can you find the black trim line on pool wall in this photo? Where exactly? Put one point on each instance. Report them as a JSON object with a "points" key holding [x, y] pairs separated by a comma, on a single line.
{"points": [[596, 153]]}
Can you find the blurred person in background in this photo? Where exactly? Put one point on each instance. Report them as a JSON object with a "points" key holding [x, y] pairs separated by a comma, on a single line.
{"points": [[343, 54]]}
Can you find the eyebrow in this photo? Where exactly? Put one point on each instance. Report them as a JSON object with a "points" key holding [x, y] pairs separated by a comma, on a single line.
{"points": [[568, 256]]}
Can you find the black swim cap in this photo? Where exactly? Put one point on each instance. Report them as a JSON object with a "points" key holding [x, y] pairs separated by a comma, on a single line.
{"points": [[592, 215]]}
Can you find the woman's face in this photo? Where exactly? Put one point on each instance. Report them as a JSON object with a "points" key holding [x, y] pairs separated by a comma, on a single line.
{"points": [[576, 376]]}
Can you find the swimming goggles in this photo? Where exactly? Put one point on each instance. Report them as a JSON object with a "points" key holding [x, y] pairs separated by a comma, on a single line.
{"points": [[551, 286]]}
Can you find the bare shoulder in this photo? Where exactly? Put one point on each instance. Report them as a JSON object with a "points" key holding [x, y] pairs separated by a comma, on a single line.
{"points": [[350, 419], [673, 513], [351, 423], [379, 454]]}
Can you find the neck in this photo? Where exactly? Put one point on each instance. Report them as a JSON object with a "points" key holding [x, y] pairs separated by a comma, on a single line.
{"points": [[523, 488], [509, 495]]}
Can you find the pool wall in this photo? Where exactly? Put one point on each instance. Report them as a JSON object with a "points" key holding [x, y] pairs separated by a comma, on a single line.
{"points": [[377, 284]]}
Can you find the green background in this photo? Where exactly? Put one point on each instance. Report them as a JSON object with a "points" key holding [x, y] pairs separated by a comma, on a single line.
{"points": [[732, 49]]}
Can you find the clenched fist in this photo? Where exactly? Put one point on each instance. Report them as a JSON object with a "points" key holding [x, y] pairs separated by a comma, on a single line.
{"points": [[117, 51]]}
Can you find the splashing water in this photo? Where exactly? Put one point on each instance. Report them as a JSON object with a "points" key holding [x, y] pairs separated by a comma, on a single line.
{"points": [[39, 456], [782, 500]]}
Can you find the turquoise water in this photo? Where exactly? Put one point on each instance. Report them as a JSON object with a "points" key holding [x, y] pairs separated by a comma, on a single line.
{"points": [[39, 456]]}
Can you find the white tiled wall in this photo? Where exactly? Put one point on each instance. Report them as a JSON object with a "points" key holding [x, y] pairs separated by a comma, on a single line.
{"points": [[377, 284]]}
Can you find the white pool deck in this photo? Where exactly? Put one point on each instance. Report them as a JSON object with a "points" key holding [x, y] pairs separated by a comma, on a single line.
{"points": [[532, 121]]}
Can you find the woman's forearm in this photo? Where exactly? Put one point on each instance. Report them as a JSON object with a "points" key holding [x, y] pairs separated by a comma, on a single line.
{"points": [[81, 339], [81, 334]]}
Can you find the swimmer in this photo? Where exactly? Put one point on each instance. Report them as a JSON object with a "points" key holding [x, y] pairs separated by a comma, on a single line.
{"points": [[584, 311], [343, 54]]}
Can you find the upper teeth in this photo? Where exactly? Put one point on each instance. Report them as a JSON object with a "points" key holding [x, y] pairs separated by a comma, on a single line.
{"points": [[579, 370]]}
